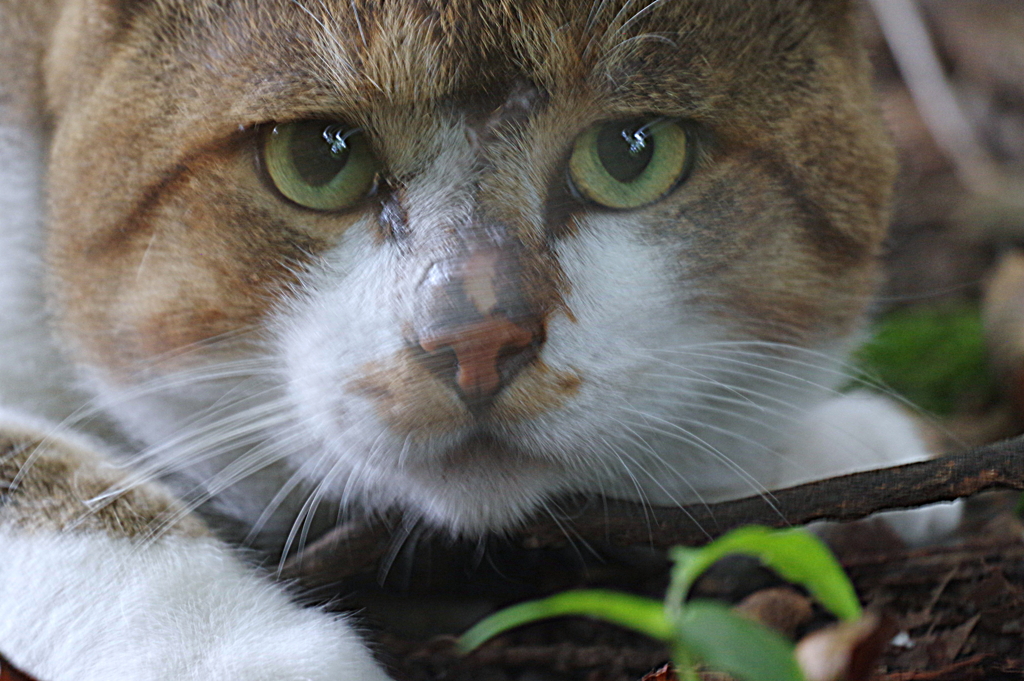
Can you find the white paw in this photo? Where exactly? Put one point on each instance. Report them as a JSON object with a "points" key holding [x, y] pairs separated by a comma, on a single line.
{"points": [[89, 607], [861, 431], [925, 525], [854, 432]]}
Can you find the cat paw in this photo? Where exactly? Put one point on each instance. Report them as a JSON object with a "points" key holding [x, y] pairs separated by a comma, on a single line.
{"points": [[861, 431], [129, 586], [84, 607], [927, 524], [854, 432]]}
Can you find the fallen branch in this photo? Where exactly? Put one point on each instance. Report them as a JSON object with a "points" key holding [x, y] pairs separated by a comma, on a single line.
{"points": [[964, 670], [9, 673], [355, 548]]}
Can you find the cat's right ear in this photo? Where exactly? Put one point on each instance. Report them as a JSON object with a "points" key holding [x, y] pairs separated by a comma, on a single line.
{"points": [[83, 38], [841, 20], [837, 14]]}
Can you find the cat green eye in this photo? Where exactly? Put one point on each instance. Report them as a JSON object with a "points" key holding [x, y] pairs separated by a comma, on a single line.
{"points": [[629, 163], [320, 164]]}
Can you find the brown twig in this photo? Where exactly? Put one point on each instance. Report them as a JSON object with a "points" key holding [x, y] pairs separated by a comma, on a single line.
{"points": [[9, 673], [355, 548], [964, 670]]}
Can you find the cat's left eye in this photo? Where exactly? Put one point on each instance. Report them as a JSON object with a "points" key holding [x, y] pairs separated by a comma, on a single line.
{"points": [[630, 163], [321, 165]]}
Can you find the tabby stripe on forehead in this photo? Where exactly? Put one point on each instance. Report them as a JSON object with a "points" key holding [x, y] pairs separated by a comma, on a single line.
{"points": [[135, 220]]}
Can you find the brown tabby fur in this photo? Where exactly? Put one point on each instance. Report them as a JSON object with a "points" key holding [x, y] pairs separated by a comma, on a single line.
{"points": [[43, 486], [164, 234]]}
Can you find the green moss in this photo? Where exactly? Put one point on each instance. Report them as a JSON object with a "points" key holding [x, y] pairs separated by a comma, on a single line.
{"points": [[932, 355]]}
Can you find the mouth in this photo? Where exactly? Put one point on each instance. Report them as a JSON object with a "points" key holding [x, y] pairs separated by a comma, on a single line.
{"points": [[481, 483], [484, 448]]}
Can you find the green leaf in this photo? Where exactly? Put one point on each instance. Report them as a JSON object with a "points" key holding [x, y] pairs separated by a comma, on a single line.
{"points": [[640, 614], [795, 554], [731, 643]]}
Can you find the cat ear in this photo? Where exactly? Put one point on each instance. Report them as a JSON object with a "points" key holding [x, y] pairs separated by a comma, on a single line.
{"points": [[81, 41], [840, 18], [837, 12]]}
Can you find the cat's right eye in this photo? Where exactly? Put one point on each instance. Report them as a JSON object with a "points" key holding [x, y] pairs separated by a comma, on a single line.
{"points": [[322, 165]]}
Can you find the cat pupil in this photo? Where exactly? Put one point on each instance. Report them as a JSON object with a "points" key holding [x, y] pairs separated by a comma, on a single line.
{"points": [[319, 151], [625, 152]]}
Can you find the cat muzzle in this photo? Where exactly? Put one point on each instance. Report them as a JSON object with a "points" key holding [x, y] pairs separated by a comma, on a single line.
{"points": [[477, 328]]}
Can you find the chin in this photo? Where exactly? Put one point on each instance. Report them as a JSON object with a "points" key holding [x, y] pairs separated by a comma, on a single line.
{"points": [[478, 484]]}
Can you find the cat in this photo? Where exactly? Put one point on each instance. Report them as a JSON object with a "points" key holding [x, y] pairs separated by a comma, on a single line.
{"points": [[265, 262]]}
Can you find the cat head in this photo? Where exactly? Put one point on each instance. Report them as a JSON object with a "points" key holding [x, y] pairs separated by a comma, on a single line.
{"points": [[461, 256]]}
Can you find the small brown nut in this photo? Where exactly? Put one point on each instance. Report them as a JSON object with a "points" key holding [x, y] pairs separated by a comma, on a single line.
{"points": [[780, 608]]}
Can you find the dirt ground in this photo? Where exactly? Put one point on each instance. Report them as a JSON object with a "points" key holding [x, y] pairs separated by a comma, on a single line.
{"points": [[956, 613]]}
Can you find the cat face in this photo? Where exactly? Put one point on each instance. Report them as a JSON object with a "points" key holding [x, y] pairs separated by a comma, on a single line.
{"points": [[463, 256]]}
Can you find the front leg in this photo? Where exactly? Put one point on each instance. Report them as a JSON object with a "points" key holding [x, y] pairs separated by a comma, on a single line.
{"points": [[87, 594], [860, 431]]}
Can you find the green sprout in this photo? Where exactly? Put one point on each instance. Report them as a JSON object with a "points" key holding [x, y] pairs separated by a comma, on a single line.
{"points": [[701, 631]]}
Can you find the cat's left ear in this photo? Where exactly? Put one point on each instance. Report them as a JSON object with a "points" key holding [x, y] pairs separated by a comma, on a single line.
{"points": [[83, 38], [837, 13], [841, 21]]}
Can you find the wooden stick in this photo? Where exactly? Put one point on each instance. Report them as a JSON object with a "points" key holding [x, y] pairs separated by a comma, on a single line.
{"points": [[355, 548]]}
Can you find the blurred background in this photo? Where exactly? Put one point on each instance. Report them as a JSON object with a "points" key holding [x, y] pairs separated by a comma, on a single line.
{"points": [[949, 332]]}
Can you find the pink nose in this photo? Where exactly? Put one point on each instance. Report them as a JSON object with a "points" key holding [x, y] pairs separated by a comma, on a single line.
{"points": [[481, 348], [476, 325]]}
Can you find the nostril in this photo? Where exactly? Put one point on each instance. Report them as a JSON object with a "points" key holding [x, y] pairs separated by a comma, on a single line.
{"points": [[441, 362], [487, 354], [480, 304]]}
